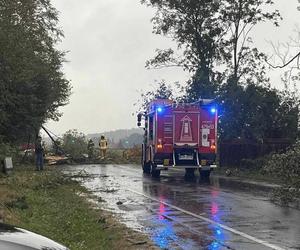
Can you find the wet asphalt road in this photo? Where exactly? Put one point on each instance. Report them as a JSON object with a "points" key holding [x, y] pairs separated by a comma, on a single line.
{"points": [[181, 214]]}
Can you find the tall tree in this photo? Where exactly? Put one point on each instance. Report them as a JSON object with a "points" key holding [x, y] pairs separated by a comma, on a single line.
{"points": [[240, 17], [209, 33], [196, 28], [31, 74], [214, 38]]}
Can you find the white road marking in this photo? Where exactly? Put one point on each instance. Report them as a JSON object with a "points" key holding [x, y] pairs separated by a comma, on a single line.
{"points": [[232, 230]]}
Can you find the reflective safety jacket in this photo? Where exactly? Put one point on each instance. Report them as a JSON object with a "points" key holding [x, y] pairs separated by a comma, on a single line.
{"points": [[103, 144]]}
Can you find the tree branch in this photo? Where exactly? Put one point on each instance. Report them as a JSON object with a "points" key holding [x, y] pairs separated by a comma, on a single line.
{"points": [[286, 64]]}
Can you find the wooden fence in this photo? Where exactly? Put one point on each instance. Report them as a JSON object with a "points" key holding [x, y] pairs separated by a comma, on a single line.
{"points": [[231, 153]]}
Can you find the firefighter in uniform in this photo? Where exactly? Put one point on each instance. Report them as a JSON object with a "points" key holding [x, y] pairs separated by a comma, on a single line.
{"points": [[103, 146]]}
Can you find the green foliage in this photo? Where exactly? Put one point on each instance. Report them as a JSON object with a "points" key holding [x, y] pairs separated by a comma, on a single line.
{"points": [[32, 85], [258, 112], [6, 150], [210, 33], [213, 33], [197, 29], [197, 88], [240, 17], [75, 144], [19, 203], [160, 91], [287, 167]]}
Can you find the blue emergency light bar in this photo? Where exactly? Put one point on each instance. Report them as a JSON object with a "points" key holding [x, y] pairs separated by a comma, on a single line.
{"points": [[159, 109], [213, 110]]}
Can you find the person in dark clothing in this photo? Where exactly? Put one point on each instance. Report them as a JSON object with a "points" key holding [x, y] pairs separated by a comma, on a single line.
{"points": [[39, 154], [91, 148]]}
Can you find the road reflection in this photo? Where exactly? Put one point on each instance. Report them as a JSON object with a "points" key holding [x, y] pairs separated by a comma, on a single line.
{"points": [[171, 228], [218, 234], [165, 234]]}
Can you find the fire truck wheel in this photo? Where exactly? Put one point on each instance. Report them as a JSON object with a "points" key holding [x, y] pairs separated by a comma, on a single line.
{"points": [[147, 168], [155, 173], [204, 174]]}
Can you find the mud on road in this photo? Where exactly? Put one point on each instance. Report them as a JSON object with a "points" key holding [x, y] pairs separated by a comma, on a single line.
{"points": [[180, 214]]}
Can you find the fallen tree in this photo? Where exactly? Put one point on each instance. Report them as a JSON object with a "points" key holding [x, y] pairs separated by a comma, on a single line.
{"points": [[287, 167]]}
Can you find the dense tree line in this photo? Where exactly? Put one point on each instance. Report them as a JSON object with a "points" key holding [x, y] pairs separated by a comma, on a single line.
{"points": [[32, 84], [214, 43]]}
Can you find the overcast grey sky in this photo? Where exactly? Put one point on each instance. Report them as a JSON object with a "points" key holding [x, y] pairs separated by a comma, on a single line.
{"points": [[109, 42]]}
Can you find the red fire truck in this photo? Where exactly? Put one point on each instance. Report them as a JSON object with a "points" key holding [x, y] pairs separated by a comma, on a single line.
{"points": [[179, 135]]}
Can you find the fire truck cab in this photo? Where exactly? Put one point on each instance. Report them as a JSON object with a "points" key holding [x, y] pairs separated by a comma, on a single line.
{"points": [[179, 135]]}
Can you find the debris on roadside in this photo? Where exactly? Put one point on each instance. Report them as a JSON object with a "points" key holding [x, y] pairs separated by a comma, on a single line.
{"points": [[136, 243], [101, 220], [109, 190], [228, 172], [81, 174], [56, 160], [104, 176], [100, 199]]}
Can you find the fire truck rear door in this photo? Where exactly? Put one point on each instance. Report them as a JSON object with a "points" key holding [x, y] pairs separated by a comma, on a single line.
{"points": [[186, 128]]}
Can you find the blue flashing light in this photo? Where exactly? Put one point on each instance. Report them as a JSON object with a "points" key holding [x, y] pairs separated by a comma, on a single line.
{"points": [[213, 110], [214, 246], [159, 109]]}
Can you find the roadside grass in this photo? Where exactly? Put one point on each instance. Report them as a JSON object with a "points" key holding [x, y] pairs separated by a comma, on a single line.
{"points": [[254, 174], [53, 205]]}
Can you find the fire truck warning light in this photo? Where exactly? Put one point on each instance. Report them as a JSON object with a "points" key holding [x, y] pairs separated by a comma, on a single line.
{"points": [[213, 110], [159, 109]]}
